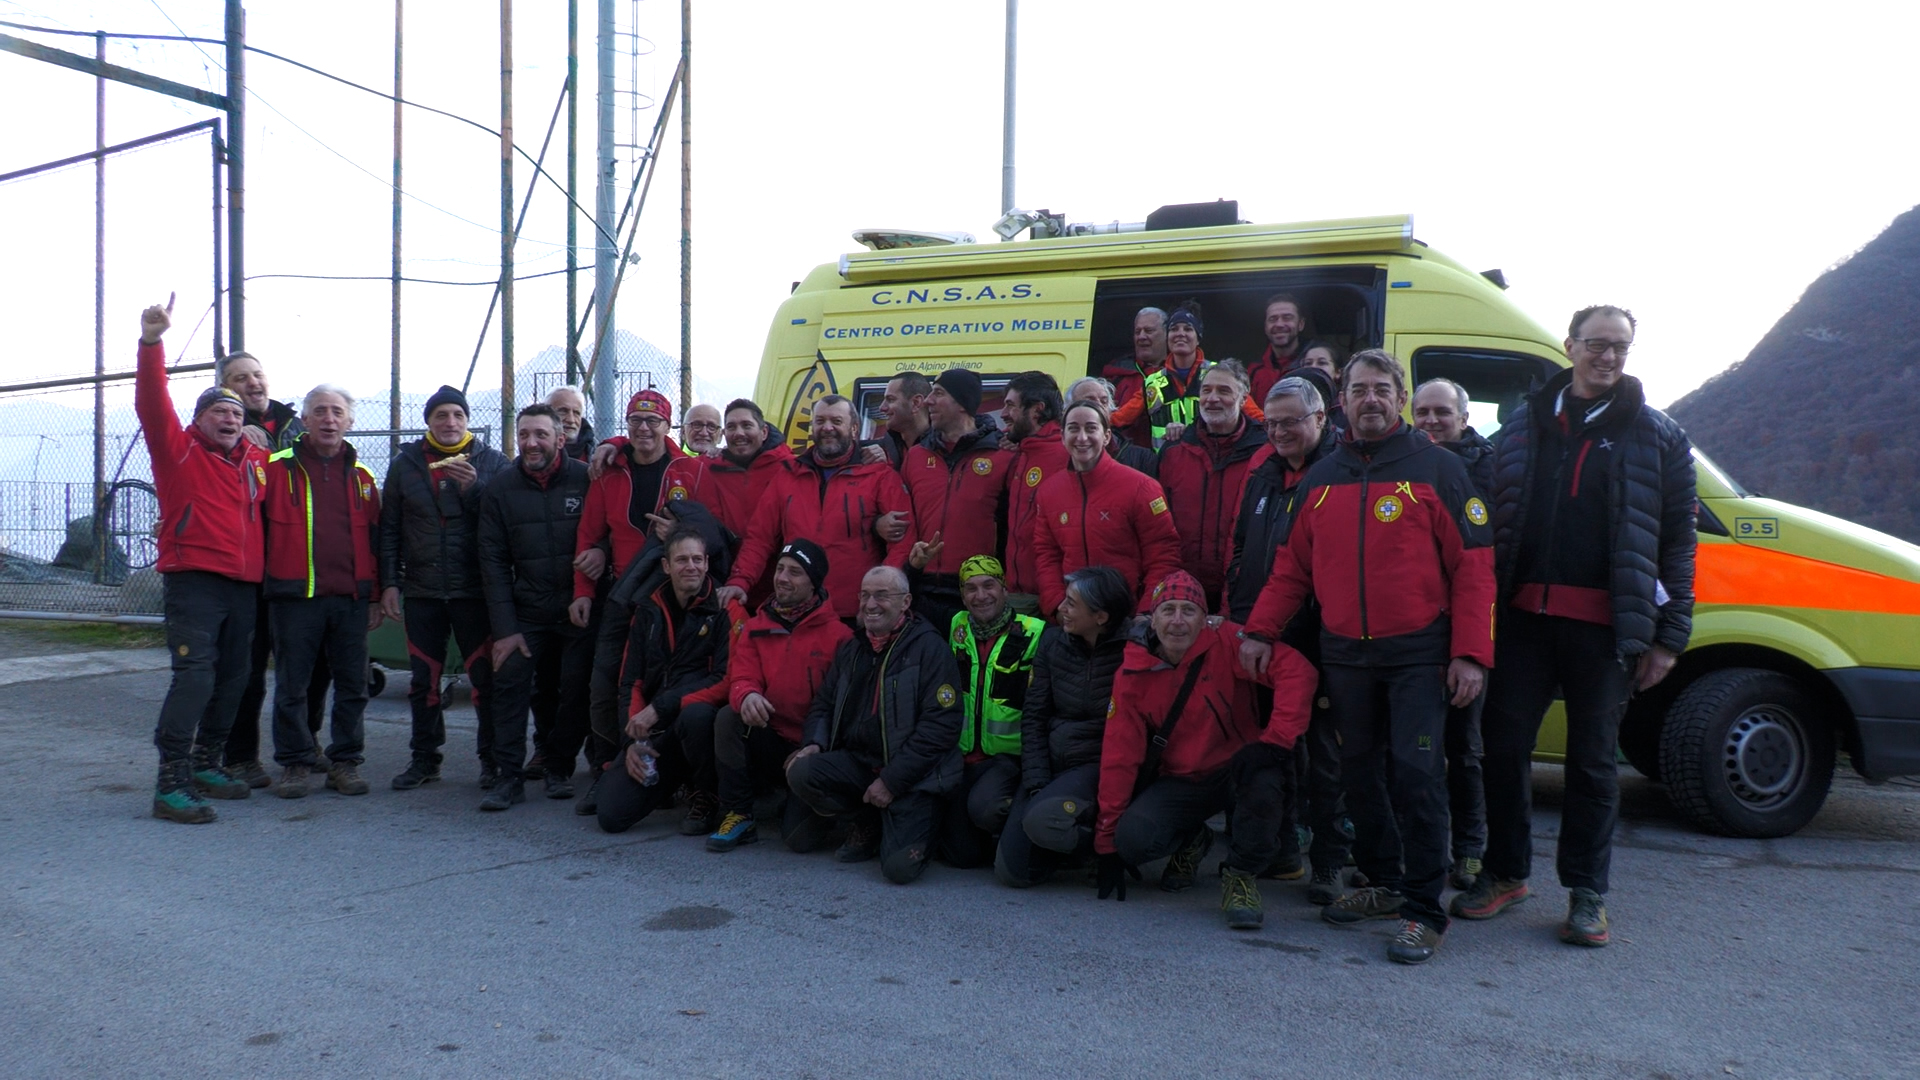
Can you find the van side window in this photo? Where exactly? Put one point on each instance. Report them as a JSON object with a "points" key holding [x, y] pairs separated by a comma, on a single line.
{"points": [[1496, 381], [1344, 304]]}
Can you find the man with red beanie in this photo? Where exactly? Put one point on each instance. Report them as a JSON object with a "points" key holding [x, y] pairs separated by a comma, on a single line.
{"points": [[857, 512], [1185, 741], [210, 481], [775, 665], [1393, 542]]}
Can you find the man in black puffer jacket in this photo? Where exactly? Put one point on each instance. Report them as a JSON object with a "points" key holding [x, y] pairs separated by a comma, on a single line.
{"points": [[1063, 724], [529, 516], [429, 536], [1593, 515]]}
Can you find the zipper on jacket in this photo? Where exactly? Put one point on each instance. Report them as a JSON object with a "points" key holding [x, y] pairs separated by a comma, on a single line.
{"points": [[1366, 471]]}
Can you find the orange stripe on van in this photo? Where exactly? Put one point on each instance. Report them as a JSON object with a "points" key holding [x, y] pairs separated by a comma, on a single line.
{"points": [[1757, 577]]}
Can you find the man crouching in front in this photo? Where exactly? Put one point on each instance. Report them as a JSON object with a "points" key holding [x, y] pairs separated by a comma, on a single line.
{"points": [[881, 741]]}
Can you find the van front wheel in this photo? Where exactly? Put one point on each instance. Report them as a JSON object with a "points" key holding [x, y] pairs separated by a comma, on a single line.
{"points": [[1745, 752]]}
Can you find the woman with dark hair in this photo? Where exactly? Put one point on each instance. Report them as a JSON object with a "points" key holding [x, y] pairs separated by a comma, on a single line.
{"points": [[1099, 513], [1329, 357], [1063, 723]]}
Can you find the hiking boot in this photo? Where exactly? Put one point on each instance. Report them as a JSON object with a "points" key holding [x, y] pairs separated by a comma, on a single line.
{"points": [[505, 794], [1465, 872], [559, 787], [1325, 887], [292, 783], [1488, 897], [417, 774], [320, 762], [702, 808], [1184, 866], [344, 778], [1372, 902], [489, 776], [174, 798], [1240, 899], [536, 766], [1286, 866], [1586, 919], [251, 773], [1414, 944], [588, 804], [210, 781], [735, 829], [863, 840]]}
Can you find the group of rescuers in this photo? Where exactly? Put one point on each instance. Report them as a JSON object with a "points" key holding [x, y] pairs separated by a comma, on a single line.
{"points": [[1060, 639]]}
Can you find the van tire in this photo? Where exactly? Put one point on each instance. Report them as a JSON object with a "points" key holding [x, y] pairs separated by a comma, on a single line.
{"points": [[1745, 752]]}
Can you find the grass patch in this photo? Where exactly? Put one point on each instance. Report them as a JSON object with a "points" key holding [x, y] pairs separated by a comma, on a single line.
{"points": [[86, 635]]}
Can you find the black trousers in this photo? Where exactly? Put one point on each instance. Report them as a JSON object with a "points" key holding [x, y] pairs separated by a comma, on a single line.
{"points": [[938, 600], [747, 760], [305, 631], [243, 739], [1160, 820], [1321, 795], [1393, 761], [1048, 826], [977, 811], [1466, 785], [558, 669], [833, 783], [1534, 655], [209, 623], [429, 624], [606, 717]]}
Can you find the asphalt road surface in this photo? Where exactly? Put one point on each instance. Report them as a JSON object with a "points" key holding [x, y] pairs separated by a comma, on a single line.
{"points": [[407, 934]]}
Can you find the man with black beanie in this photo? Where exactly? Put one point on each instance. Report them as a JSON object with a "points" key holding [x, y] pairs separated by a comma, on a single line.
{"points": [[429, 530], [956, 478]]}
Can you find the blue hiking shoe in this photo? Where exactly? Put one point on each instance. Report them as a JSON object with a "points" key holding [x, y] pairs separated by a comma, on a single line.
{"points": [[735, 829]]}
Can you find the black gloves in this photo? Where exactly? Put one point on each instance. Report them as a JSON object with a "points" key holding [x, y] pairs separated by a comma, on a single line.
{"points": [[1113, 875]]}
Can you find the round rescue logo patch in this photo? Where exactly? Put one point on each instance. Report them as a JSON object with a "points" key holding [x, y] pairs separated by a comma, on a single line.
{"points": [[1476, 511], [676, 492], [1033, 476], [1063, 517], [1388, 508], [959, 635], [739, 626], [982, 466], [945, 696]]}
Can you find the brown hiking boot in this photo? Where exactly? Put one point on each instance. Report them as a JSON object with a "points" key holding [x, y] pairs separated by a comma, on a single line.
{"points": [[345, 779], [292, 783]]}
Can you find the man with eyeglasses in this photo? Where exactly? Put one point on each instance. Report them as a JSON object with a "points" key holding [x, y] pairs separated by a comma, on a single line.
{"points": [[701, 430], [881, 744], [1593, 516]]}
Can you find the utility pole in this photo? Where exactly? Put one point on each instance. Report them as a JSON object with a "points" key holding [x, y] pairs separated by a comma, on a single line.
{"points": [[686, 210], [100, 311], [1006, 138], [604, 213], [236, 103], [393, 387], [573, 185], [507, 388]]}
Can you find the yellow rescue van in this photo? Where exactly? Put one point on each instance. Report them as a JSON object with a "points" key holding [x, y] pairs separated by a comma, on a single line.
{"points": [[1806, 639]]}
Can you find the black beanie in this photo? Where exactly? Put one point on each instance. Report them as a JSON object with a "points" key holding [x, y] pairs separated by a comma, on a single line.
{"points": [[811, 557], [446, 395], [212, 396], [963, 386], [1188, 312]]}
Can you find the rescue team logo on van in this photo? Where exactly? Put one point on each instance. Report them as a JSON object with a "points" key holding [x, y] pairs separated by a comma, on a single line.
{"points": [[815, 383], [982, 466], [1033, 476], [954, 294], [1387, 509], [1476, 511]]}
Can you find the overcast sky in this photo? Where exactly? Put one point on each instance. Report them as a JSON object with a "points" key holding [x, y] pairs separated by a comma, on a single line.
{"points": [[1699, 163]]}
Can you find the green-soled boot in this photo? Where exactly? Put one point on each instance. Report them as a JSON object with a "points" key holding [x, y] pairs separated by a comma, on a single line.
{"points": [[174, 798], [210, 781]]}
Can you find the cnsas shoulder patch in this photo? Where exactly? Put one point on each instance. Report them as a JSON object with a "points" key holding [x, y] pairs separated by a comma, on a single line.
{"points": [[1476, 511], [1158, 506], [945, 696]]}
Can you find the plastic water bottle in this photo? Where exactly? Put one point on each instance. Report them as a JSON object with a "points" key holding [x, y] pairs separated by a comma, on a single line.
{"points": [[649, 770]]}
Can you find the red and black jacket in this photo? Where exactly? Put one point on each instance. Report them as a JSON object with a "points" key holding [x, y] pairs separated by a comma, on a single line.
{"points": [[784, 664], [291, 529], [1037, 458], [608, 517], [1109, 515], [959, 492], [1263, 373], [210, 513], [1222, 714], [1204, 494], [675, 657], [1391, 539], [835, 508]]}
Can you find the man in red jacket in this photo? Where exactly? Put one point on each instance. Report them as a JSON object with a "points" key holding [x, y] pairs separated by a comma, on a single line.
{"points": [[774, 666], [323, 511], [1184, 741], [1393, 542], [956, 478], [1204, 471], [1286, 329], [856, 511], [1030, 413], [210, 481], [1129, 373], [732, 483]]}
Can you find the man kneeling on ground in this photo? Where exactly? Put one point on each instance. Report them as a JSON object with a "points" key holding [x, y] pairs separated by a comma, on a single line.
{"points": [[881, 740], [777, 661], [676, 657]]}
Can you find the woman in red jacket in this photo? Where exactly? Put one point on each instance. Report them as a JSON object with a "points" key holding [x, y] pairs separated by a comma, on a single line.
{"points": [[1100, 513], [1184, 741]]}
